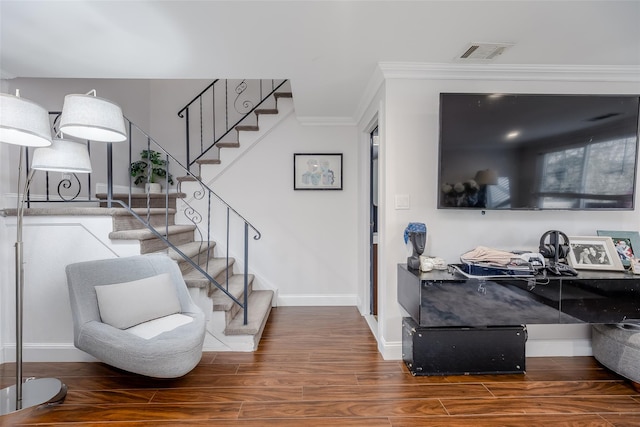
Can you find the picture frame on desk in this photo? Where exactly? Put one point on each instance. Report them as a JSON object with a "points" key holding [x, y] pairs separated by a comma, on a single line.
{"points": [[593, 253], [627, 244]]}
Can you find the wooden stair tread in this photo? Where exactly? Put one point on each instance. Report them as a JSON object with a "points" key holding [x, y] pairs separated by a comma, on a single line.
{"points": [[229, 144], [208, 161], [266, 111], [246, 128], [187, 178]]}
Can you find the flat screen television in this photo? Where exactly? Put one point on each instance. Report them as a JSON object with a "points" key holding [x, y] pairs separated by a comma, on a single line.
{"points": [[531, 151]]}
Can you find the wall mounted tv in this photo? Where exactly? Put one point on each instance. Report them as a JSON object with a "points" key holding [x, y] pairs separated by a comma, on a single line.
{"points": [[530, 151]]}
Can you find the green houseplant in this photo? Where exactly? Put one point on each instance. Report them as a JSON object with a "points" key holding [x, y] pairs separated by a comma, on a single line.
{"points": [[150, 169]]}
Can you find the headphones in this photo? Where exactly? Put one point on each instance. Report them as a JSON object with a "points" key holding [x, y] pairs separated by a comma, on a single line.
{"points": [[555, 249]]}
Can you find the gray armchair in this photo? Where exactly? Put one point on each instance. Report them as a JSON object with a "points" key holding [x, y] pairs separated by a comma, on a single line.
{"points": [[617, 347], [165, 352]]}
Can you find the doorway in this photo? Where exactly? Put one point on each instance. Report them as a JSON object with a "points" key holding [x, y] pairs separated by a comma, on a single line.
{"points": [[373, 221]]}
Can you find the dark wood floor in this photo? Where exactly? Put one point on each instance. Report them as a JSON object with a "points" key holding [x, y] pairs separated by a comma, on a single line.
{"points": [[320, 367]]}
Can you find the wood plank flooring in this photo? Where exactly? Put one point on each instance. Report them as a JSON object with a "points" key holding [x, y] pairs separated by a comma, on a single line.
{"points": [[319, 366]]}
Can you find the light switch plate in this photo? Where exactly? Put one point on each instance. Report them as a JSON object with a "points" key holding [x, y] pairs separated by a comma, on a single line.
{"points": [[402, 201]]}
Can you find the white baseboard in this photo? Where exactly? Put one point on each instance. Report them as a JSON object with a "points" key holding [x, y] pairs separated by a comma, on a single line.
{"points": [[391, 350], [316, 300], [561, 348], [47, 352]]}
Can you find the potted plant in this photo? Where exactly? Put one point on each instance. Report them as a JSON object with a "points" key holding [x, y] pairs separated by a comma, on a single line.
{"points": [[151, 170]]}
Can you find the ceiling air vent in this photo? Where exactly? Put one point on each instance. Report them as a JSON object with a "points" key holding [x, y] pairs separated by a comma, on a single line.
{"points": [[483, 52]]}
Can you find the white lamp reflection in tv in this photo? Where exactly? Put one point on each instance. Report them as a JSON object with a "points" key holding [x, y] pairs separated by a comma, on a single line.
{"points": [[483, 178]]}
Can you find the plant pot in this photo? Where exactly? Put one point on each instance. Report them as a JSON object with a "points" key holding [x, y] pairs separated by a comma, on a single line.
{"points": [[152, 187]]}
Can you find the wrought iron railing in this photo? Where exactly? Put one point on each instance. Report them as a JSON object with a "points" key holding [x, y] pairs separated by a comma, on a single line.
{"points": [[70, 188], [194, 202], [215, 112]]}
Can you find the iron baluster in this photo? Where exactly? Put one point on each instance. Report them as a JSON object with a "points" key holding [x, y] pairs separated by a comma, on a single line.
{"points": [[246, 270], [227, 252]]}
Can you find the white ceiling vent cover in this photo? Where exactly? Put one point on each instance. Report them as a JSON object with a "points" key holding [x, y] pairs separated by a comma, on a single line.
{"points": [[482, 52]]}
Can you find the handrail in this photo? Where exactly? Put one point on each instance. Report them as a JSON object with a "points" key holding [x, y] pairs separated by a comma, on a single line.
{"points": [[207, 123], [195, 98]]}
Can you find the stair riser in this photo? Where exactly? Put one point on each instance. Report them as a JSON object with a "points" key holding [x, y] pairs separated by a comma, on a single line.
{"points": [[232, 309], [122, 222], [221, 278], [156, 202], [230, 314], [260, 303], [186, 267], [155, 245], [257, 337]]}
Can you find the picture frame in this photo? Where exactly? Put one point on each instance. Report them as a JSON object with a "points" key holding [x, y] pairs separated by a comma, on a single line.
{"points": [[593, 253], [317, 171], [627, 244]]}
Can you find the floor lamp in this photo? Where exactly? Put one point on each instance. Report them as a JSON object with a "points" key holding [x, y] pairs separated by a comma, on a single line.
{"points": [[26, 124]]}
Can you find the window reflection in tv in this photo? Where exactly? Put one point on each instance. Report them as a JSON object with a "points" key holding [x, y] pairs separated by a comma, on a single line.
{"points": [[523, 151]]}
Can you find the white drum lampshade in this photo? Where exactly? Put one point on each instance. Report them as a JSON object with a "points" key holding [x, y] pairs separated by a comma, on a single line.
{"points": [[23, 122], [62, 156], [92, 118]]}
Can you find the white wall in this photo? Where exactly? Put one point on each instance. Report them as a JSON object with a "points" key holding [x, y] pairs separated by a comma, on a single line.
{"points": [[409, 145], [50, 243], [308, 245]]}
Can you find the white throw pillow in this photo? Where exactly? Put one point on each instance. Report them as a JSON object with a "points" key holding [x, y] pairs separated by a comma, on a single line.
{"points": [[155, 327], [123, 305]]}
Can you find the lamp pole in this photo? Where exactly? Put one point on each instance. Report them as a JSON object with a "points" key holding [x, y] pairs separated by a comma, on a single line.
{"points": [[19, 281], [33, 392]]}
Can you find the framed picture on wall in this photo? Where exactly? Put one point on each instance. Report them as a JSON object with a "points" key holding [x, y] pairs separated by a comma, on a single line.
{"points": [[317, 171], [627, 244], [593, 253]]}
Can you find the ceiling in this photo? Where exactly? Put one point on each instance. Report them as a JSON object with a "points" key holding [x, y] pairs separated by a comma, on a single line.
{"points": [[329, 49]]}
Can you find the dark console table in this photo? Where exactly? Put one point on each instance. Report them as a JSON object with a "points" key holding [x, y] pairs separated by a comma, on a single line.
{"points": [[460, 325]]}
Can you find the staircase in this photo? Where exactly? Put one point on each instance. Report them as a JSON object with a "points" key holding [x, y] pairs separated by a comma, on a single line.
{"points": [[179, 222], [150, 219]]}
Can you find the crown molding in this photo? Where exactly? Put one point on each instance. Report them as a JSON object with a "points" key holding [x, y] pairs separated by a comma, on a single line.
{"points": [[404, 70], [433, 71]]}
